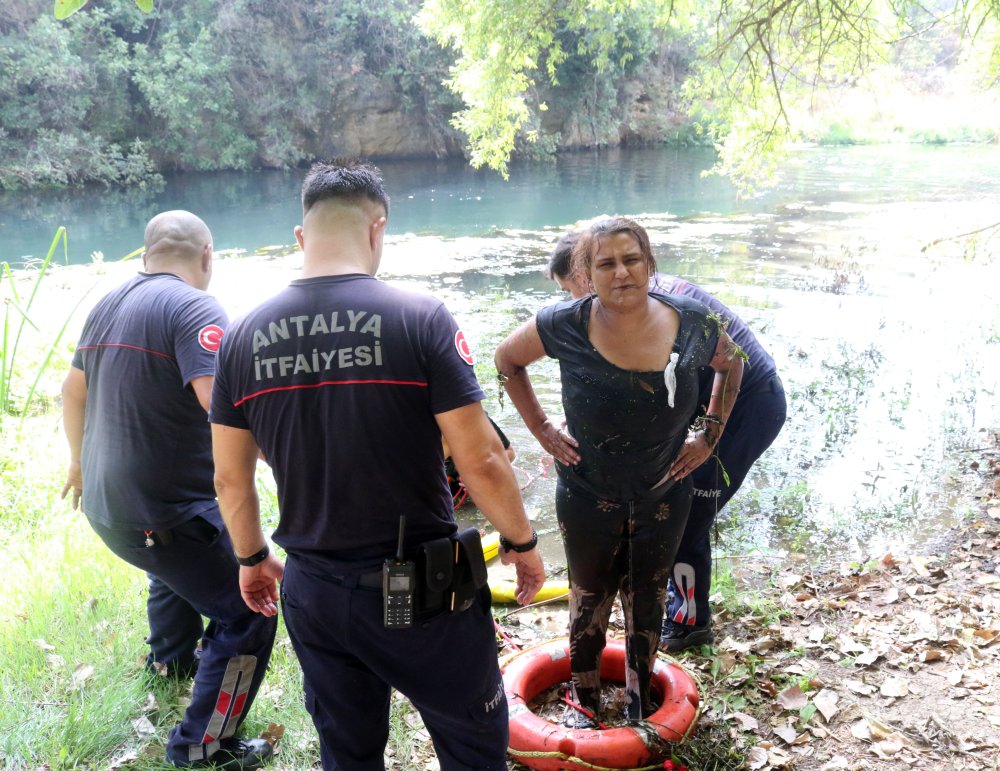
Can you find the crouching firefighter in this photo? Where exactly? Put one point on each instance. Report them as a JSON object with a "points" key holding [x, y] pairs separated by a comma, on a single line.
{"points": [[134, 408]]}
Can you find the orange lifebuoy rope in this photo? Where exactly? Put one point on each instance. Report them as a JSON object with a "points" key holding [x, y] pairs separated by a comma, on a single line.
{"points": [[547, 746]]}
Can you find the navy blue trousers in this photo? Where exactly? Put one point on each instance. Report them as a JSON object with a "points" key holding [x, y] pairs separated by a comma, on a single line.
{"points": [[192, 576], [446, 666], [756, 420]]}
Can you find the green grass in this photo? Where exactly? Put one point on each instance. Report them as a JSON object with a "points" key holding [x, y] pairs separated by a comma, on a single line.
{"points": [[72, 631]]}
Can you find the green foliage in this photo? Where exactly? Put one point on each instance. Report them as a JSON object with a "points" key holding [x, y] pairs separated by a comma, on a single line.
{"points": [[66, 8], [756, 64], [65, 115], [216, 84], [16, 320], [112, 95], [179, 81], [501, 48]]}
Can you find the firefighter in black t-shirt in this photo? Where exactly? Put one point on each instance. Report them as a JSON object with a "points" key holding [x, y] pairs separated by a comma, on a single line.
{"points": [[347, 385]]}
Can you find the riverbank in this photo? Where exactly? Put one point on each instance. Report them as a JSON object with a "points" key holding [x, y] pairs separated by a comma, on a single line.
{"points": [[888, 354], [888, 665]]}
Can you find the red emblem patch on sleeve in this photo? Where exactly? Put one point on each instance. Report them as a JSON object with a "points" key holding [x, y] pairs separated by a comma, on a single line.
{"points": [[210, 337], [462, 346]]}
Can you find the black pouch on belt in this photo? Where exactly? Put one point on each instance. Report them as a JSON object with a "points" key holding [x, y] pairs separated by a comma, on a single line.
{"points": [[436, 564], [469, 575]]}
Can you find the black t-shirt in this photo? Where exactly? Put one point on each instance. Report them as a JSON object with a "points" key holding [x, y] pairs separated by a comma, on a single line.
{"points": [[339, 378], [627, 431], [147, 445]]}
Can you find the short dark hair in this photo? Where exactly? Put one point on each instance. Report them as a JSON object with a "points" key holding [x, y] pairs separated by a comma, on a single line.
{"points": [[590, 242], [561, 262], [343, 178]]}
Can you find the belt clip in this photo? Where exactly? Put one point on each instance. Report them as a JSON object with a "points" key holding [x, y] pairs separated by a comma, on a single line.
{"points": [[149, 538]]}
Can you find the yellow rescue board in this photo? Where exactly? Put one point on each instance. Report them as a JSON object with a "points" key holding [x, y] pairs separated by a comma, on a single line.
{"points": [[491, 545], [506, 591]]}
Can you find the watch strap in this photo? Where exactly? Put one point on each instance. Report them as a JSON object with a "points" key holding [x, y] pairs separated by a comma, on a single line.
{"points": [[520, 548], [253, 559]]}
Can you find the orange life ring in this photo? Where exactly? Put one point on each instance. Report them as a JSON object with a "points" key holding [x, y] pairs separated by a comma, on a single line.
{"points": [[547, 746]]}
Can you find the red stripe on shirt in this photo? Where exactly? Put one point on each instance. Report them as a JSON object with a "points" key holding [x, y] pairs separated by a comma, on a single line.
{"points": [[248, 397], [124, 345]]}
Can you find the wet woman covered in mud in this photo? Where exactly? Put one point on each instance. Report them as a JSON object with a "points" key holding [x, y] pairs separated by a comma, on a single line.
{"points": [[629, 361]]}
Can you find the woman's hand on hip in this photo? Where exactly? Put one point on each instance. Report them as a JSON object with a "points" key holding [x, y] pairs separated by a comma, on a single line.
{"points": [[558, 442], [693, 453]]}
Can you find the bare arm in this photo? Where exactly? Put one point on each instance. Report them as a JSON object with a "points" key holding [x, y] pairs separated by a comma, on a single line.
{"points": [[235, 453], [74, 393], [728, 365], [481, 460], [522, 347], [202, 387]]}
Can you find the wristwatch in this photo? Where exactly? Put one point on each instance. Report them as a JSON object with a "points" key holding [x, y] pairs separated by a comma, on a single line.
{"points": [[520, 548], [253, 559]]}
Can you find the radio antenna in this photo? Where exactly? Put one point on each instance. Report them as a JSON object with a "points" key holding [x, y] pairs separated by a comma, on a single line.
{"points": [[399, 546]]}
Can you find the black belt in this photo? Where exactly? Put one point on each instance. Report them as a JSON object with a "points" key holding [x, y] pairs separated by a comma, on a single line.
{"points": [[359, 580], [370, 580]]}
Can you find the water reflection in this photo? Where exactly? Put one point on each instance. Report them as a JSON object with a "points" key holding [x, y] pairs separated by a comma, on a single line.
{"points": [[889, 354]]}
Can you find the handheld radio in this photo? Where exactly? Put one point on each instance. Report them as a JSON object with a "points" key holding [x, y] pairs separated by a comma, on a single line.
{"points": [[398, 587]]}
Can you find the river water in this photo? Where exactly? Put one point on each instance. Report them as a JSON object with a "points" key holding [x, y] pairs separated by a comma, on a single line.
{"points": [[890, 355]]}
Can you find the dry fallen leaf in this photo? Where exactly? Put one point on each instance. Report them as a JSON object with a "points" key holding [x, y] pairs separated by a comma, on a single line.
{"points": [[891, 596], [747, 723], [756, 758], [273, 733], [792, 698], [826, 702], [894, 688], [144, 729], [887, 748], [867, 657], [81, 675]]}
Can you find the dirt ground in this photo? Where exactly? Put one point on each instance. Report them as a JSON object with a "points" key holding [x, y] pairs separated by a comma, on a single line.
{"points": [[893, 664]]}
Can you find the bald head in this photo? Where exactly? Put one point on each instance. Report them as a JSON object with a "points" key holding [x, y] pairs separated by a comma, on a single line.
{"points": [[177, 231], [179, 242]]}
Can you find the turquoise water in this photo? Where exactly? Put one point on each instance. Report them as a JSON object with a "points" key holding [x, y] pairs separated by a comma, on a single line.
{"points": [[889, 346], [249, 210]]}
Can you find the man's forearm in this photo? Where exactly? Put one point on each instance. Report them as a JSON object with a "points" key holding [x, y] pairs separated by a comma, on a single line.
{"points": [[74, 412], [493, 487], [241, 513], [235, 454]]}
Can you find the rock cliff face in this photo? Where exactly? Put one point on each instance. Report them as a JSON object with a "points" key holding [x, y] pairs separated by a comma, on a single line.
{"points": [[368, 116], [641, 109]]}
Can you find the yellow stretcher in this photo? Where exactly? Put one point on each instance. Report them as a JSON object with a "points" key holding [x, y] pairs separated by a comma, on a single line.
{"points": [[505, 591]]}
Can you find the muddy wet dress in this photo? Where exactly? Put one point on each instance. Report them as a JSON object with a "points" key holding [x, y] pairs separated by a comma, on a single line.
{"points": [[619, 529]]}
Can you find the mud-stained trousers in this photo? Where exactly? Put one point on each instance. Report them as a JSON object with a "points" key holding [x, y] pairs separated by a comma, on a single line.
{"points": [[193, 573], [612, 548], [756, 420], [446, 665]]}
